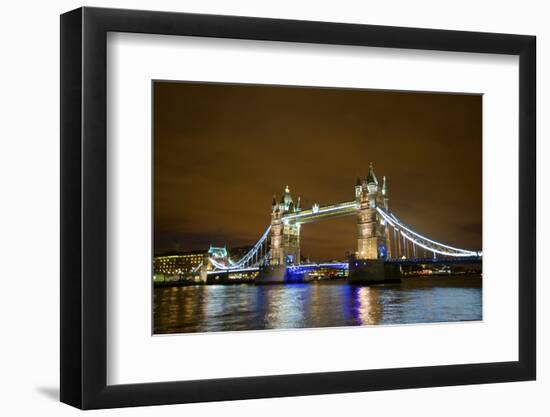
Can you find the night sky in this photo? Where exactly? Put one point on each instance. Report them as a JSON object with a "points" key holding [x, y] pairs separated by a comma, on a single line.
{"points": [[221, 152]]}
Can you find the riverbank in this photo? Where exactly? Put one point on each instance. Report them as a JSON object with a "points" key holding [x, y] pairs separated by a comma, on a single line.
{"points": [[467, 280], [447, 279]]}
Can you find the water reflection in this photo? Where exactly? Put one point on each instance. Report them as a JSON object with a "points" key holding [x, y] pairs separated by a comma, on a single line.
{"points": [[217, 308], [368, 310]]}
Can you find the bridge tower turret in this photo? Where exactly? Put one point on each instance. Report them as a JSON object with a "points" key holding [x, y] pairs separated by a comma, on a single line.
{"points": [[372, 182], [385, 193], [358, 190]]}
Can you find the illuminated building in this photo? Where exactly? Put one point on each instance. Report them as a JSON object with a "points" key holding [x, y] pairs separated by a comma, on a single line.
{"points": [[189, 265], [373, 240], [325, 271], [178, 264]]}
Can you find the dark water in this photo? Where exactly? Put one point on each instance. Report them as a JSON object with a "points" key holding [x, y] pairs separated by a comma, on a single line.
{"points": [[216, 308]]}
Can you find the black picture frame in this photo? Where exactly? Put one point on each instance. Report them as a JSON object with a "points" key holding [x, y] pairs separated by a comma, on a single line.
{"points": [[84, 207]]}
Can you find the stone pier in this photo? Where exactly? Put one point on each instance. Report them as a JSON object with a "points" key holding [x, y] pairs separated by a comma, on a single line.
{"points": [[373, 272], [272, 274]]}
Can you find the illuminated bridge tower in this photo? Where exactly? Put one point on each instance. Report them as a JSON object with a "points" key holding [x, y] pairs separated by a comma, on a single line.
{"points": [[277, 252], [284, 239], [373, 237], [285, 236]]}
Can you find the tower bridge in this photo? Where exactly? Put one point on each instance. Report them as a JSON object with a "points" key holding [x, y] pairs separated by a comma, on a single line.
{"points": [[384, 242]]}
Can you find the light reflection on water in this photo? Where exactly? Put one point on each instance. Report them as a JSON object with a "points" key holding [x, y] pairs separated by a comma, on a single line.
{"points": [[216, 308]]}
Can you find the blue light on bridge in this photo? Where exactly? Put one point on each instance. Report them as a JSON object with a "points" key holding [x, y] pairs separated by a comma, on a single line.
{"points": [[382, 252], [297, 273], [290, 260]]}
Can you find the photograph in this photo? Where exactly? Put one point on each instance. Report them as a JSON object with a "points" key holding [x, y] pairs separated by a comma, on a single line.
{"points": [[292, 207], [308, 203]]}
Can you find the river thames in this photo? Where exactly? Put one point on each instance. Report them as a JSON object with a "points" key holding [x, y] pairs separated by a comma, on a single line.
{"points": [[219, 308]]}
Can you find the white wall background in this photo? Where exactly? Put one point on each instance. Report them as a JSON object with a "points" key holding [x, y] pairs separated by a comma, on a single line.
{"points": [[29, 226]]}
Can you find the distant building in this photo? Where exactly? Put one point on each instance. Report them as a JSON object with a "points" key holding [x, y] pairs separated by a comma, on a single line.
{"points": [[182, 264], [178, 264], [327, 272], [219, 254]]}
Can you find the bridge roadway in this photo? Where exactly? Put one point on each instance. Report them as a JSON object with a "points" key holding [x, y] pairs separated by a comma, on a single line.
{"points": [[345, 265]]}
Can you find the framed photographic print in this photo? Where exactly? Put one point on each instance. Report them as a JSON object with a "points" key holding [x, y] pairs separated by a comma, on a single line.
{"points": [[257, 208]]}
